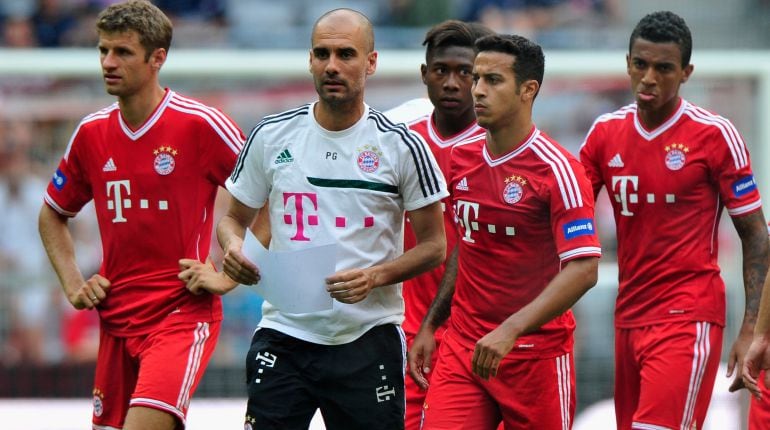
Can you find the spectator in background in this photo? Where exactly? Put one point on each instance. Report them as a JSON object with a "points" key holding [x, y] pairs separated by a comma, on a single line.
{"points": [[53, 21], [524, 17], [18, 32]]}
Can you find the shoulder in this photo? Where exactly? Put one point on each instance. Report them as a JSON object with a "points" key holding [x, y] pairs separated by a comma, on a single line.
{"points": [[706, 118], [275, 123], [410, 110], [617, 117], [198, 111], [98, 118], [392, 132]]}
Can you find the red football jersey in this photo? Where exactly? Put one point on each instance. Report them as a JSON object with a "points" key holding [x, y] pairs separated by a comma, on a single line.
{"points": [[667, 188], [153, 190], [419, 291], [520, 216]]}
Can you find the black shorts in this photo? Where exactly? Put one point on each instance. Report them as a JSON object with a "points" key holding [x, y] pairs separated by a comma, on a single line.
{"points": [[358, 385]]}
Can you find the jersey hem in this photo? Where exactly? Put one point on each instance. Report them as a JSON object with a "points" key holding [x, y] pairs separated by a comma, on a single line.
{"points": [[328, 340]]}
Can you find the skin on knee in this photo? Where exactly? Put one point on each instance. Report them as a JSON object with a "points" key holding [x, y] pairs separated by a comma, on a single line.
{"points": [[141, 418]]}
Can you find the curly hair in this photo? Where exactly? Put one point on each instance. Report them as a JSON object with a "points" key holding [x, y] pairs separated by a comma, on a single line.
{"points": [[453, 33], [664, 27]]}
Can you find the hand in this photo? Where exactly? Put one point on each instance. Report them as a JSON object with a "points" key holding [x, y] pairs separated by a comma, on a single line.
{"points": [[420, 355], [237, 267], [737, 353], [490, 351], [199, 278], [351, 286], [91, 293], [757, 358]]}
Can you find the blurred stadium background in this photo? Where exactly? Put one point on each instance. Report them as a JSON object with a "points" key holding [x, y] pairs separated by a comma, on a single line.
{"points": [[249, 57]]}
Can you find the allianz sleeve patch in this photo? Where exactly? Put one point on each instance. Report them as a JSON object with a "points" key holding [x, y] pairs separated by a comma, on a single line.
{"points": [[58, 180], [579, 227], [744, 186]]}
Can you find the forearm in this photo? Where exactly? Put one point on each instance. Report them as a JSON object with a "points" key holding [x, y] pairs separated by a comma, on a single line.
{"points": [[564, 290], [58, 244], [756, 250], [440, 308], [229, 228], [425, 256]]}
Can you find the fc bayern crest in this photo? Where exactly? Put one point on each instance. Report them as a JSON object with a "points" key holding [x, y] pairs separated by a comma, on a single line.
{"points": [[676, 156], [98, 406], [368, 161], [512, 193], [164, 160]]}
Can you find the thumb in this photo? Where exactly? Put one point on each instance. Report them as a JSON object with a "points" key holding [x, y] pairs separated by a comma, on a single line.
{"points": [[731, 364]]}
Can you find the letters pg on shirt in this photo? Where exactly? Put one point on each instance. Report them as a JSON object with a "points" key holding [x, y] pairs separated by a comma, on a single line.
{"points": [[625, 191], [118, 199]]}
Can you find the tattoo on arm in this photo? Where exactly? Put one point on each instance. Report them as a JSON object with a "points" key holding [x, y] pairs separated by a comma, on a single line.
{"points": [[440, 309], [752, 230]]}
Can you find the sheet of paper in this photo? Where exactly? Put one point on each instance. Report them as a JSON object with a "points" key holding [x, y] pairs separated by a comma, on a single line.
{"points": [[292, 281]]}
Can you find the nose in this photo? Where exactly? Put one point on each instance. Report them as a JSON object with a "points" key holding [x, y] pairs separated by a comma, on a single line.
{"points": [[332, 66], [452, 82], [649, 76], [108, 60], [477, 90]]}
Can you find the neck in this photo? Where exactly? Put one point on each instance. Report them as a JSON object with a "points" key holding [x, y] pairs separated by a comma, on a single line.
{"points": [[509, 137], [136, 108], [450, 125], [654, 118], [338, 117]]}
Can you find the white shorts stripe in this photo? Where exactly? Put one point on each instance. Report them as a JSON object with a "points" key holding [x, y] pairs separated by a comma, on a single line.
{"points": [[644, 426], [563, 373], [701, 351], [155, 404], [195, 355]]}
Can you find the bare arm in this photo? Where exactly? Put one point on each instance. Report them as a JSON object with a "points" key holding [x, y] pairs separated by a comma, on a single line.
{"points": [[424, 344], [353, 285], [564, 290], [230, 231], [752, 231], [57, 240]]}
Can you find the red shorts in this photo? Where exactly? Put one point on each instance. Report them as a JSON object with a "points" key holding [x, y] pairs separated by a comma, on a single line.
{"points": [[664, 374], [415, 396], [759, 411], [159, 370], [525, 394]]}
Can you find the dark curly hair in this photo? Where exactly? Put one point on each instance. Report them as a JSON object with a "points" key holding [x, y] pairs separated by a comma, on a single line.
{"points": [[453, 33], [664, 27]]}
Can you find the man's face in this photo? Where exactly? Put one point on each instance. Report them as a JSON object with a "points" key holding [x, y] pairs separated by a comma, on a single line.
{"points": [[656, 73], [495, 92], [448, 78], [340, 61], [124, 68]]}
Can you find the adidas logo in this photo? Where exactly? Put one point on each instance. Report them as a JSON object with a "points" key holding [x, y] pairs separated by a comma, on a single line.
{"points": [[616, 161], [109, 166], [462, 185], [284, 157]]}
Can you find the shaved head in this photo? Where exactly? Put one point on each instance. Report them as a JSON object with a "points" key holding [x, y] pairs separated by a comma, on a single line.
{"points": [[338, 18]]}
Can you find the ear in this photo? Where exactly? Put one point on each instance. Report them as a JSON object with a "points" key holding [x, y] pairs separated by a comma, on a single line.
{"points": [[158, 58], [686, 72], [371, 63], [529, 90], [628, 64], [424, 73], [310, 61]]}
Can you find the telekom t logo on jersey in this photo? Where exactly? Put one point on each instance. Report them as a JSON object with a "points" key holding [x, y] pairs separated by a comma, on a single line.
{"points": [[118, 199], [299, 212], [468, 213], [625, 189]]}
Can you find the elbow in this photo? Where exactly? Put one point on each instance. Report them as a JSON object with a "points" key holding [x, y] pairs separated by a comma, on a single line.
{"points": [[437, 254]]}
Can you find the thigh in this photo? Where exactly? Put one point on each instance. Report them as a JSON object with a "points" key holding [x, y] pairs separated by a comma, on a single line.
{"points": [[173, 360], [627, 379], [415, 396], [456, 398], [361, 384], [679, 362], [277, 385], [535, 393], [114, 381], [759, 410]]}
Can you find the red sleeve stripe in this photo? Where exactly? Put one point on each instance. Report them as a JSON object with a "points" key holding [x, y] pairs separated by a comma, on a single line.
{"points": [[729, 133]]}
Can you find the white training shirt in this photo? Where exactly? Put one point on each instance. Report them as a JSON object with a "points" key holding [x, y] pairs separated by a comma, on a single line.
{"points": [[350, 187]]}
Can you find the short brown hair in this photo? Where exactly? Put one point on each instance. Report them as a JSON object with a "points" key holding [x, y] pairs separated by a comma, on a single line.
{"points": [[150, 23]]}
